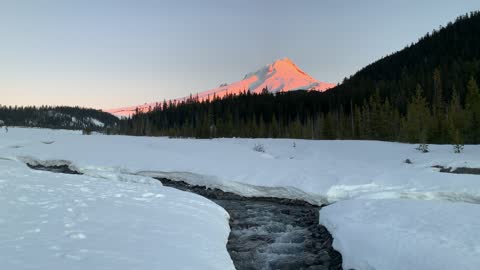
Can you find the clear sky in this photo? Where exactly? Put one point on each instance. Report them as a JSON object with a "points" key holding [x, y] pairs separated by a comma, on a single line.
{"points": [[106, 54]]}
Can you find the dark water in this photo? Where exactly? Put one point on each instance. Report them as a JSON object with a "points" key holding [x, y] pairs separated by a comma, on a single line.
{"points": [[459, 170], [272, 233], [57, 168]]}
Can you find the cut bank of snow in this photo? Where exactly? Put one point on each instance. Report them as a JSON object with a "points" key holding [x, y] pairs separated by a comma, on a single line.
{"points": [[401, 234], [316, 171], [60, 221]]}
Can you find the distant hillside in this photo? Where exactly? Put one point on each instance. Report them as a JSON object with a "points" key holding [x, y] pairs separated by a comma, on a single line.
{"points": [[57, 117], [427, 92], [452, 50]]}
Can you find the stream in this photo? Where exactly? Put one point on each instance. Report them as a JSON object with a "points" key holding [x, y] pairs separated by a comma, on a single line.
{"points": [[266, 233], [271, 233]]}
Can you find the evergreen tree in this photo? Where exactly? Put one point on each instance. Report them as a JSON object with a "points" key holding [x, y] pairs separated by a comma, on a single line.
{"points": [[438, 127], [457, 142], [376, 116], [472, 104], [456, 117], [328, 129], [418, 118], [274, 131], [437, 95]]}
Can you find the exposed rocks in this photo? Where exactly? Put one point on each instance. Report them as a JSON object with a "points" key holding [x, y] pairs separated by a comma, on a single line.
{"points": [[53, 168], [459, 170]]}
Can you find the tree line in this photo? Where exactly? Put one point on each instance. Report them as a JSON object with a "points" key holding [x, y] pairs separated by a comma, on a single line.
{"points": [[57, 117], [301, 114]]}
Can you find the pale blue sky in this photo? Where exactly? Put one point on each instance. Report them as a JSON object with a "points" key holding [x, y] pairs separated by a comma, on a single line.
{"points": [[106, 54]]}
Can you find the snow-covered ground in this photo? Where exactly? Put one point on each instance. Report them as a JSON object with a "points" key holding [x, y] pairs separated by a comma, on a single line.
{"points": [[351, 173], [398, 234], [317, 171], [60, 221]]}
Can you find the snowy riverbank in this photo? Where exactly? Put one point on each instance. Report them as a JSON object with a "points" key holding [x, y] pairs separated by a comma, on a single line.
{"points": [[316, 171], [60, 221], [352, 173]]}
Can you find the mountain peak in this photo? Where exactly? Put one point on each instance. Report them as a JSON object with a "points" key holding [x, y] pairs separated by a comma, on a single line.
{"points": [[280, 76], [285, 61], [284, 66]]}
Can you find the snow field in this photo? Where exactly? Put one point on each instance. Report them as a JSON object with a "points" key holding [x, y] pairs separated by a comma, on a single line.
{"points": [[386, 214], [59, 221], [399, 234]]}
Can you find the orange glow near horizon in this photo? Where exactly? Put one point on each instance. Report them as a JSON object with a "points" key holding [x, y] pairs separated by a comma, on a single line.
{"points": [[281, 76]]}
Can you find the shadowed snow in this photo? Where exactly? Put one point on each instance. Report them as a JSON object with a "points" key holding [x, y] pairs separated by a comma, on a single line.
{"points": [[368, 183]]}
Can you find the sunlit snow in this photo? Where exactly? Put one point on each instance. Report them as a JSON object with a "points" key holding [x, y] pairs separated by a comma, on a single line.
{"points": [[282, 75]]}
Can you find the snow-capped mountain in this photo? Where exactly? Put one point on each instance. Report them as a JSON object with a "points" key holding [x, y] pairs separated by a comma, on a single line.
{"points": [[279, 76]]}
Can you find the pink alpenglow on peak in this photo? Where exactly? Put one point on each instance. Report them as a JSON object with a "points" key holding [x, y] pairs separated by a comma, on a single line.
{"points": [[280, 76]]}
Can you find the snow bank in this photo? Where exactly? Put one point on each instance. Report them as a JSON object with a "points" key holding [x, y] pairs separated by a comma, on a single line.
{"points": [[401, 234], [316, 171], [60, 221]]}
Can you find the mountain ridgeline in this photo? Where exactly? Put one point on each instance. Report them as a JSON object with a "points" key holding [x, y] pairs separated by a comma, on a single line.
{"points": [[427, 92], [57, 118], [280, 76]]}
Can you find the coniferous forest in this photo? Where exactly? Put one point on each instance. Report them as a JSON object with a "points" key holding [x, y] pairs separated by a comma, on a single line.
{"points": [[428, 92], [61, 117]]}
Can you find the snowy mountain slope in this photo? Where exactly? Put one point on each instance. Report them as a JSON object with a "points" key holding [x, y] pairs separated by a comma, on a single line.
{"points": [[89, 121], [59, 221], [281, 75]]}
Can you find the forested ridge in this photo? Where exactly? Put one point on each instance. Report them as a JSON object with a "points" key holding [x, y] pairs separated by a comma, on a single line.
{"points": [[427, 92], [61, 117]]}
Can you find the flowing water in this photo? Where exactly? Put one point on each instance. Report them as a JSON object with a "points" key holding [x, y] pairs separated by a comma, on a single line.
{"points": [[271, 233], [266, 233]]}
